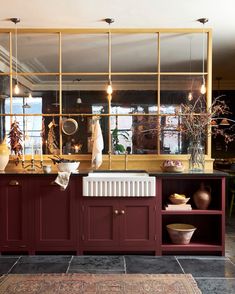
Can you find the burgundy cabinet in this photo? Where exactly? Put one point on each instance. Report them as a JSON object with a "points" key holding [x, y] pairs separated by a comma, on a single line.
{"points": [[37, 216], [55, 221], [15, 214], [100, 223], [114, 224], [210, 222]]}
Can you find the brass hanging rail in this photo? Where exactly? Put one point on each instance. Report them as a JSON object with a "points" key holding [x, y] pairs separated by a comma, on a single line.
{"points": [[95, 114]]}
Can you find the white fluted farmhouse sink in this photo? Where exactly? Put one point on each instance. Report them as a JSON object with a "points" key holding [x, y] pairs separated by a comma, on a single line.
{"points": [[119, 184]]}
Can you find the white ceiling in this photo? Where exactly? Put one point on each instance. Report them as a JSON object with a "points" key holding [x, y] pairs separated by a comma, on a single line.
{"points": [[135, 14]]}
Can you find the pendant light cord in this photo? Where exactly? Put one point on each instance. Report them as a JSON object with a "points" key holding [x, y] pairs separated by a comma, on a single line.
{"points": [[16, 52], [203, 86], [109, 88], [190, 63], [109, 54], [203, 53]]}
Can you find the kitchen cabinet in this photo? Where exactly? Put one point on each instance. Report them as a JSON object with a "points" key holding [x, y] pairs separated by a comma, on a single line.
{"points": [[118, 224], [210, 223], [37, 216], [55, 221], [15, 214]]}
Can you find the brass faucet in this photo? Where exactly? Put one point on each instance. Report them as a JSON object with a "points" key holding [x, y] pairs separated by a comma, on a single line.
{"points": [[126, 159], [110, 160]]}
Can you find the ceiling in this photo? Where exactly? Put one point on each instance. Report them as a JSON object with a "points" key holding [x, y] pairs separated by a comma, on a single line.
{"points": [[136, 14]]}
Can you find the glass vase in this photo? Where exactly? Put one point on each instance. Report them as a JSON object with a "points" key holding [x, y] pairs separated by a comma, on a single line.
{"points": [[197, 157]]}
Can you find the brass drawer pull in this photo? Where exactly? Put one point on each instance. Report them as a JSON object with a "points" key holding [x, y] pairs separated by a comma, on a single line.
{"points": [[14, 183]]}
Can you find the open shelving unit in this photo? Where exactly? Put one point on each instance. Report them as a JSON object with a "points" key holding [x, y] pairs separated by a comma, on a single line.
{"points": [[210, 223]]}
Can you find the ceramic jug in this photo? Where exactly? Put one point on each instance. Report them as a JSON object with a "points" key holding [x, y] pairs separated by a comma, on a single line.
{"points": [[4, 155], [202, 197]]}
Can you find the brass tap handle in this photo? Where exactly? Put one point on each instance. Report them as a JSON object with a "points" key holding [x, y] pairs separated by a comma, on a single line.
{"points": [[116, 212], [14, 183]]}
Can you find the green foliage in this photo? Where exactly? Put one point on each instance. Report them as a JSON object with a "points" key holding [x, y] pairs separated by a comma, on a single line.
{"points": [[116, 134]]}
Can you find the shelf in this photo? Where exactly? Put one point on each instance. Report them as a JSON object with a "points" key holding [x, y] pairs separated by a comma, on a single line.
{"points": [[194, 211], [192, 247]]}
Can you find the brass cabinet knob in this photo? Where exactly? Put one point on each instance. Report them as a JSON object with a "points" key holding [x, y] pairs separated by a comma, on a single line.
{"points": [[14, 183], [116, 211], [122, 211]]}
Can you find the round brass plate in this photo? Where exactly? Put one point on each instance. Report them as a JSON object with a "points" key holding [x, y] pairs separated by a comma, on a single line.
{"points": [[69, 126]]}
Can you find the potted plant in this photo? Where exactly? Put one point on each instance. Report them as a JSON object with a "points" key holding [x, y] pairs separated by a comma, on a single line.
{"points": [[116, 134]]}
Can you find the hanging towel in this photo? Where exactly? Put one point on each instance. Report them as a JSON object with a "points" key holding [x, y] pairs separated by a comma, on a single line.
{"points": [[63, 179], [98, 145]]}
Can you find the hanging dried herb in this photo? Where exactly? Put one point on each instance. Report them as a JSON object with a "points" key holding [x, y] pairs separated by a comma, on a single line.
{"points": [[16, 137], [43, 132], [51, 140]]}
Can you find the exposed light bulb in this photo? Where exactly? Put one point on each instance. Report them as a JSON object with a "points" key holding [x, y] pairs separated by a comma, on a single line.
{"points": [[16, 89], [30, 95], [190, 96], [203, 89], [109, 89]]}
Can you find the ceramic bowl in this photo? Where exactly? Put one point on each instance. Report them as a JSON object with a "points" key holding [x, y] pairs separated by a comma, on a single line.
{"points": [[46, 169], [180, 233], [175, 200], [69, 167], [173, 169]]}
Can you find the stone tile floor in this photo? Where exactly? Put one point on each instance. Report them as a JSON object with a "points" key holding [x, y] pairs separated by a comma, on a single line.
{"points": [[213, 274]]}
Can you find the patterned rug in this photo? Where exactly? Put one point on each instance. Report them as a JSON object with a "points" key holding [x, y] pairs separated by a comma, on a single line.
{"points": [[98, 284]]}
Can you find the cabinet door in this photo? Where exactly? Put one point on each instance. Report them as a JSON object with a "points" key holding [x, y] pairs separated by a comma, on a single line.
{"points": [[14, 214], [100, 223], [137, 223], [55, 216]]}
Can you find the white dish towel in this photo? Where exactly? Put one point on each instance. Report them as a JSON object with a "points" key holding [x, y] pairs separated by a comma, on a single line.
{"points": [[63, 179], [98, 145]]}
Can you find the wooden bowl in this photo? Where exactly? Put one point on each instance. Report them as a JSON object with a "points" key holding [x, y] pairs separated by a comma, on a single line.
{"points": [[180, 233], [175, 200]]}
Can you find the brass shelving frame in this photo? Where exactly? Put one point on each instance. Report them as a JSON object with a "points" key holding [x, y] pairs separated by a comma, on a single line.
{"points": [[159, 32]]}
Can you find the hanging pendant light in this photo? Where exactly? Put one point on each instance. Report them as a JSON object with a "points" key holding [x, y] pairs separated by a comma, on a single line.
{"points": [[25, 104], [79, 99], [109, 88], [190, 94], [56, 103], [15, 20], [203, 86]]}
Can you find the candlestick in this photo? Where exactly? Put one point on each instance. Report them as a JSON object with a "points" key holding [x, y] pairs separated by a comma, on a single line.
{"points": [[23, 150], [41, 156], [32, 149]]}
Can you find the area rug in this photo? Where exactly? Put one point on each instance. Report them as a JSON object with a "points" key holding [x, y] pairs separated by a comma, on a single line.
{"points": [[98, 284]]}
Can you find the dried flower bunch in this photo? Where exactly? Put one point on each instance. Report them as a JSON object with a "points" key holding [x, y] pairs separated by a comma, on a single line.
{"points": [[16, 138], [196, 119]]}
